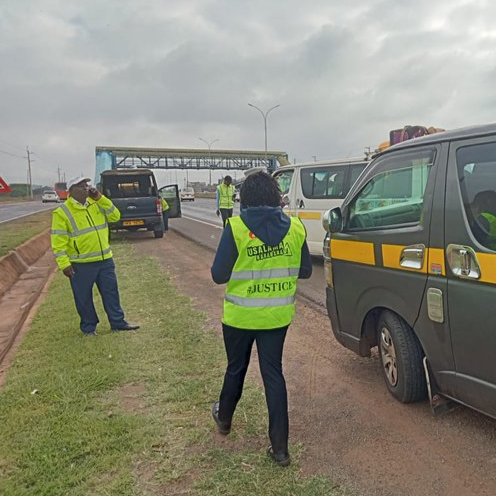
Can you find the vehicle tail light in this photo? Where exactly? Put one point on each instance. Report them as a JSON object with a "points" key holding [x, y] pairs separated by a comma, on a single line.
{"points": [[159, 207]]}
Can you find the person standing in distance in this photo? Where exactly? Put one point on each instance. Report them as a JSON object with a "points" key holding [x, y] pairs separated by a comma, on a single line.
{"points": [[261, 255], [80, 242], [165, 213], [225, 199]]}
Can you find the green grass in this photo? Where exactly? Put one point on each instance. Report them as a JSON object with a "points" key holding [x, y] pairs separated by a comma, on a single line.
{"points": [[16, 232], [129, 414]]}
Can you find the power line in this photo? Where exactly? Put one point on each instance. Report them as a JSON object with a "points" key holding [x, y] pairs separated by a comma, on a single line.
{"points": [[11, 154]]}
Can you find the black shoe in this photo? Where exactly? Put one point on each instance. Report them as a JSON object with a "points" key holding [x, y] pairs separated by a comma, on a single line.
{"points": [[282, 459], [126, 327], [223, 427], [92, 333]]}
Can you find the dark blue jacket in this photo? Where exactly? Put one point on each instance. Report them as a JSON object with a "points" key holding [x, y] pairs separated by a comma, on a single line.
{"points": [[268, 224]]}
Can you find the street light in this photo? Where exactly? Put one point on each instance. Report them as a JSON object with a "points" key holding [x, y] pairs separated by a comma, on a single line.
{"points": [[264, 115], [209, 144]]}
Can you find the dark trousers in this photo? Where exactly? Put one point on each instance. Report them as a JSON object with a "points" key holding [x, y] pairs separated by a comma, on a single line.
{"points": [[103, 275], [165, 216], [238, 343], [225, 214]]}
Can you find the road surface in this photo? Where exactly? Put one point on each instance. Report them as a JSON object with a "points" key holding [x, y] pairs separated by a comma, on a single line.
{"points": [[12, 211]]}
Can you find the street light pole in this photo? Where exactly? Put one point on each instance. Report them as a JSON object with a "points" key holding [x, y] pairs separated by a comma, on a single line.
{"points": [[209, 144], [264, 115]]}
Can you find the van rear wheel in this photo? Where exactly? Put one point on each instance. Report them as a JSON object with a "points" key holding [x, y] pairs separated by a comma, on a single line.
{"points": [[401, 358], [158, 233]]}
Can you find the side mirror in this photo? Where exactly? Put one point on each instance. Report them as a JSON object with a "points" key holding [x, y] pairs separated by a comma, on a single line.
{"points": [[285, 200], [333, 220]]}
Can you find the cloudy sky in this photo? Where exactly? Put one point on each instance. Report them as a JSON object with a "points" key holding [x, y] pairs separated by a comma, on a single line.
{"points": [[162, 73]]}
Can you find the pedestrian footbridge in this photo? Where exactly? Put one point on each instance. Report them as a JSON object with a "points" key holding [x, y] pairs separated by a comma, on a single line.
{"points": [[190, 159]]}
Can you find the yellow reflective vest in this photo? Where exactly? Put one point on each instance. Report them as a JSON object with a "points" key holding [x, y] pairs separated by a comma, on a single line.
{"points": [[491, 219], [226, 194], [261, 291], [165, 205], [80, 232]]}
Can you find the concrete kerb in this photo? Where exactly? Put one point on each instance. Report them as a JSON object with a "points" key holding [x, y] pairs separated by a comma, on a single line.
{"points": [[17, 261]]}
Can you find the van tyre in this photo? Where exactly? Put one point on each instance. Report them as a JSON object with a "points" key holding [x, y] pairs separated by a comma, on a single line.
{"points": [[401, 358], [158, 233]]}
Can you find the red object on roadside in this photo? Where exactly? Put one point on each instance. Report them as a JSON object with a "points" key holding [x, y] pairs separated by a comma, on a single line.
{"points": [[4, 187]]}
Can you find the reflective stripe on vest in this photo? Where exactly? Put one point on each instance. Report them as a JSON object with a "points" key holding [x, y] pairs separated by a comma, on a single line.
{"points": [[261, 291], [76, 231], [260, 302], [89, 255], [264, 274]]}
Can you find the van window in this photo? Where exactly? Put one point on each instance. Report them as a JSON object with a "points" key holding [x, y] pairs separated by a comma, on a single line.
{"points": [[323, 182], [284, 181], [477, 174], [395, 197]]}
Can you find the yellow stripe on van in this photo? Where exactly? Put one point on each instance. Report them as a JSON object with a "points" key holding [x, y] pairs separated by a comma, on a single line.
{"points": [[436, 263], [391, 256], [353, 251], [309, 215], [487, 264]]}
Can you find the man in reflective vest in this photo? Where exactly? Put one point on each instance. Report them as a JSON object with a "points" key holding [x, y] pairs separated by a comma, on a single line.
{"points": [[80, 242], [225, 199], [261, 255]]}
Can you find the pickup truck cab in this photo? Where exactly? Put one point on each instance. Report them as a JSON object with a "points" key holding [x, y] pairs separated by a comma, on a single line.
{"points": [[410, 267], [135, 193]]}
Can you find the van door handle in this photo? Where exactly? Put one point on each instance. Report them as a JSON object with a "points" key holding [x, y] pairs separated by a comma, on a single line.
{"points": [[412, 257], [300, 203], [463, 262]]}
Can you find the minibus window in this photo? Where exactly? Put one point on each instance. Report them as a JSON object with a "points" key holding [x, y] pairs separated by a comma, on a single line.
{"points": [[394, 197], [477, 175], [323, 183]]}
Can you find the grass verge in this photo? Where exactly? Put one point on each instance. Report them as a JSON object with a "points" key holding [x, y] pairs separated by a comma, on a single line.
{"points": [[129, 413], [16, 232]]}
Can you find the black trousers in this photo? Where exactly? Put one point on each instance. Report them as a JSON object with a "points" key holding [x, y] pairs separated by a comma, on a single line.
{"points": [[270, 344], [225, 214]]}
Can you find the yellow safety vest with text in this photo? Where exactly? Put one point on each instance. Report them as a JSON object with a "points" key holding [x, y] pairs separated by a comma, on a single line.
{"points": [[226, 194], [261, 291], [80, 232]]}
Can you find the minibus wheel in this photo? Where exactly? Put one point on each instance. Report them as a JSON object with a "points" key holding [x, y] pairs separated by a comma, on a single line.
{"points": [[401, 358]]}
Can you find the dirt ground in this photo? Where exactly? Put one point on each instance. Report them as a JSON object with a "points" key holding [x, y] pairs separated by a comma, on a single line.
{"points": [[351, 428]]}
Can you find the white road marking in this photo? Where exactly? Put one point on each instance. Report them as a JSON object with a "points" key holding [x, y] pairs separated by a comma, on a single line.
{"points": [[202, 222], [24, 215]]}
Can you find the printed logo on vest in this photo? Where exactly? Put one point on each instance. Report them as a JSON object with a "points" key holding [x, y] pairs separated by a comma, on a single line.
{"points": [[263, 252]]}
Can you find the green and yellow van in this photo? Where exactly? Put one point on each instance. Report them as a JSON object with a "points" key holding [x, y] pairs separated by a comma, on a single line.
{"points": [[410, 264]]}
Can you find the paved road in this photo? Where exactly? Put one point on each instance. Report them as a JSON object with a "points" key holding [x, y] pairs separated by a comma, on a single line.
{"points": [[200, 223], [11, 211]]}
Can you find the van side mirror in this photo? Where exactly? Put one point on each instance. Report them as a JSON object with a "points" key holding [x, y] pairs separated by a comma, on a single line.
{"points": [[333, 220]]}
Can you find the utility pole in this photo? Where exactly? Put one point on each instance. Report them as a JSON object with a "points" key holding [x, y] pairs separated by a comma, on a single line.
{"points": [[30, 181], [314, 158], [58, 174]]}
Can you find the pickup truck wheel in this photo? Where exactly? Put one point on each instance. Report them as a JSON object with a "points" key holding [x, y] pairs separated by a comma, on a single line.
{"points": [[158, 233], [401, 358]]}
